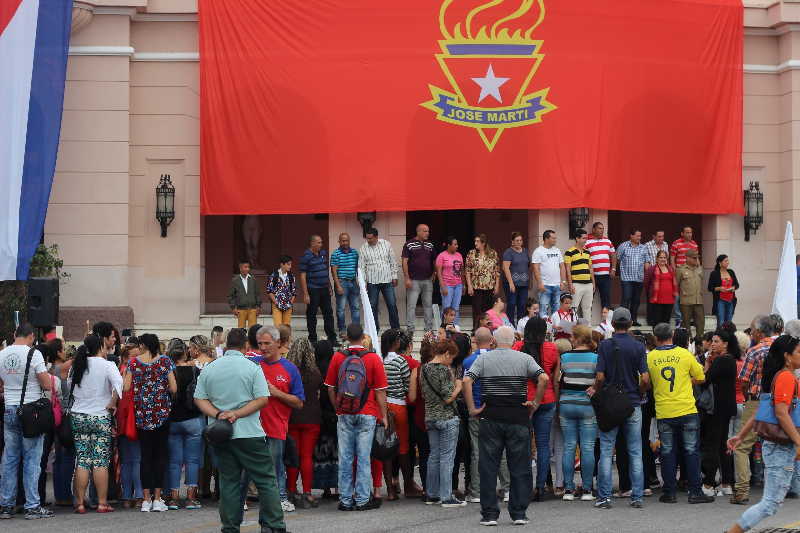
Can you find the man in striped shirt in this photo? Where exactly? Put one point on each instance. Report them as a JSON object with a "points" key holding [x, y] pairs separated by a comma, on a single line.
{"points": [[379, 265], [505, 422], [344, 261], [677, 255], [604, 262], [580, 278]]}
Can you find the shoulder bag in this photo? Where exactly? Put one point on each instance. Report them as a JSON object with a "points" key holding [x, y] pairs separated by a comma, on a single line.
{"points": [[36, 417], [65, 436], [611, 403], [767, 425]]}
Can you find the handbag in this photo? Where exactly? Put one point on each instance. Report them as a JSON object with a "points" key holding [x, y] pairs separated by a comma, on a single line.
{"points": [[611, 403], [126, 418], [65, 436], [705, 400], [36, 417], [58, 414], [385, 442], [767, 425]]}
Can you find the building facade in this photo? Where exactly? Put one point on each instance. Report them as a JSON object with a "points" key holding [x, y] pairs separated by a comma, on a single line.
{"points": [[131, 114]]}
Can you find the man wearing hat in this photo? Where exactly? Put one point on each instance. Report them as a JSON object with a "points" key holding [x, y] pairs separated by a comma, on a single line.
{"points": [[233, 389], [690, 287], [622, 359]]}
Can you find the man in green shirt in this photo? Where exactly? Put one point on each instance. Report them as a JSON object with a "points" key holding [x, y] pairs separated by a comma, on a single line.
{"points": [[234, 389]]}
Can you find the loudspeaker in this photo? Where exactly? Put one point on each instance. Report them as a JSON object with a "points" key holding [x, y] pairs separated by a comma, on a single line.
{"points": [[43, 302]]}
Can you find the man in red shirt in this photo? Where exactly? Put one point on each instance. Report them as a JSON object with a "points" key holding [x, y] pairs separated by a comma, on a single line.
{"points": [[286, 393], [356, 431], [677, 256]]}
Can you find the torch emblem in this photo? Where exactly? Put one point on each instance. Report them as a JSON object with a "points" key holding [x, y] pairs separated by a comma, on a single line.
{"points": [[489, 56]]}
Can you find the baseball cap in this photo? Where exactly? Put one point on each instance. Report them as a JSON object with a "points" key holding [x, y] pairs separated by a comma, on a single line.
{"points": [[621, 315]]}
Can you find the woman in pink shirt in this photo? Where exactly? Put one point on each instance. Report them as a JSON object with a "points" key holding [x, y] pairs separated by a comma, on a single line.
{"points": [[496, 314], [449, 270]]}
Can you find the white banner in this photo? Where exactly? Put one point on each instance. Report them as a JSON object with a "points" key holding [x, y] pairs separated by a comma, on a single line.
{"points": [[785, 301], [366, 312]]}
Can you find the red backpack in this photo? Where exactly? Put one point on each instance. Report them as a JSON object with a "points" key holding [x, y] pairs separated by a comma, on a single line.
{"points": [[352, 389]]}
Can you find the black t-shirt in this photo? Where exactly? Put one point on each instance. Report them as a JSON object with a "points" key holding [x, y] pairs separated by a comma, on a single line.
{"points": [[184, 375], [722, 375]]}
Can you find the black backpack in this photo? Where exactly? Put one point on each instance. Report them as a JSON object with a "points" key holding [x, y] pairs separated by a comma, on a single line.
{"points": [[611, 403]]}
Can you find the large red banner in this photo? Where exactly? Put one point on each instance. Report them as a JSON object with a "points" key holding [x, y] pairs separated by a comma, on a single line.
{"points": [[357, 105]]}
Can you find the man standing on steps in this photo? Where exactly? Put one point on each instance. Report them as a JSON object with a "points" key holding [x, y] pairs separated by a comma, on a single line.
{"points": [[378, 263], [418, 266], [690, 290], [604, 263], [243, 297], [344, 262], [316, 284], [580, 278]]}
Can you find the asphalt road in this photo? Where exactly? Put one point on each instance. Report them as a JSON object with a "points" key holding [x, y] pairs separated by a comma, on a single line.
{"points": [[412, 516]]}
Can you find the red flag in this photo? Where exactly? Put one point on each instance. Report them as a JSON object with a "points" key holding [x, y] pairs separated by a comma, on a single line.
{"points": [[342, 105]]}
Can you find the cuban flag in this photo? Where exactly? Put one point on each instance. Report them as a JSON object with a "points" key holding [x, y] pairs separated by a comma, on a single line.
{"points": [[34, 42]]}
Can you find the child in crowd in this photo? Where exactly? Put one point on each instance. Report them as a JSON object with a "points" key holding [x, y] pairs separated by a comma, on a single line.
{"points": [[532, 308], [449, 325], [604, 327], [564, 319], [282, 291]]}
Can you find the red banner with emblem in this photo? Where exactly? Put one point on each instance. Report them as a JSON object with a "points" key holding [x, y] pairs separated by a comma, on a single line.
{"points": [[352, 105]]}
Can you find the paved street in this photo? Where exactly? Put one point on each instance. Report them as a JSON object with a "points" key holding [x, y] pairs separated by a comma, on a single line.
{"points": [[412, 516]]}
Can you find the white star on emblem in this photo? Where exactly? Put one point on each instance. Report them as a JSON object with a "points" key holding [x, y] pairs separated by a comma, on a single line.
{"points": [[490, 85]]}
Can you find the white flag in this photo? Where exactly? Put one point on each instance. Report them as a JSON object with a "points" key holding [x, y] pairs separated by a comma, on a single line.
{"points": [[366, 311], [785, 301]]}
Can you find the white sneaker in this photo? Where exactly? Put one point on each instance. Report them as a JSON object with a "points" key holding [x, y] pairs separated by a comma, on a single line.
{"points": [[159, 506], [488, 522], [520, 522], [568, 496], [587, 497], [244, 508], [287, 506], [709, 492], [726, 491], [147, 506], [474, 499], [506, 497]]}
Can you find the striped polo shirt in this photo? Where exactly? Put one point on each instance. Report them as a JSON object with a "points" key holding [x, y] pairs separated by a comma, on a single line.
{"points": [[346, 262], [579, 264], [600, 250], [679, 248], [578, 370], [315, 267]]}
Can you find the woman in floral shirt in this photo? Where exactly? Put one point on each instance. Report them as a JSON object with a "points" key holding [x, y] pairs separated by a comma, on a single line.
{"points": [[483, 276], [282, 290], [152, 377]]}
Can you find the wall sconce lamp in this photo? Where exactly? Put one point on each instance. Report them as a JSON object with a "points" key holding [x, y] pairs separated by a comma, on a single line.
{"points": [[753, 209], [165, 203], [578, 217], [366, 219]]}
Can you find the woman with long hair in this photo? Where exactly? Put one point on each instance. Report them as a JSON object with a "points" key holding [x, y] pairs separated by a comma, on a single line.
{"points": [[96, 387], [185, 430], [576, 414], [398, 375], [326, 455], [483, 276], [546, 356], [450, 271], [304, 424], [130, 453], [780, 457], [723, 284], [64, 464], [720, 370], [152, 378]]}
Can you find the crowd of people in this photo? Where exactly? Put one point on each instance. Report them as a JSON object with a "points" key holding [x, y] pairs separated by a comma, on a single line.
{"points": [[490, 417], [669, 276], [537, 395]]}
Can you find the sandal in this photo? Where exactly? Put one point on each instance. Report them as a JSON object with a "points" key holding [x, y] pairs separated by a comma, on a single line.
{"points": [[105, 508], [80, 509]]}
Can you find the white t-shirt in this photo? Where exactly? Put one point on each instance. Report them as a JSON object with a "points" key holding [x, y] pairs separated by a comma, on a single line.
{"points": [[12, 370], [549, 261], [94, 393]]}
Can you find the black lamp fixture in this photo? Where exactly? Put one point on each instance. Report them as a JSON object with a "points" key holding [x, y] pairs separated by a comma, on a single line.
{"points": [[753, 209], [366, 219], [578, 217], [165, 203]]}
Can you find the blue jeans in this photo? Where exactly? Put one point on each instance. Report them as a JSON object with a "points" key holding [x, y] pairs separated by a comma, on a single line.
{"points": [[443, 437], [548, 300], [724, 312], [453, 299], [676, 309], [688, 427], [631, 294], [18, 448], [63, 468], [515, 302], [542, 421], [130, 461], [355, 433], [185, 448], [277, 447], [633, 438], [796, 478], [389, 297], [578, 422], [779, 468], [352, 297]]}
